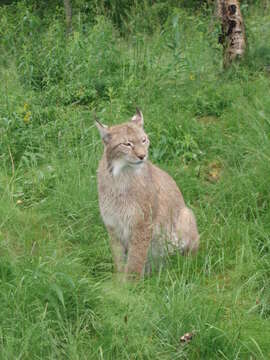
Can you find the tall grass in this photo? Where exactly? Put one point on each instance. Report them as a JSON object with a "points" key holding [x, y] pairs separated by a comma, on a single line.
{"points": [[208, 128]]}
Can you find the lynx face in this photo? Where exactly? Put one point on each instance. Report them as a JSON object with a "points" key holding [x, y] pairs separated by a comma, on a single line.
{"points": [[126, 145]]}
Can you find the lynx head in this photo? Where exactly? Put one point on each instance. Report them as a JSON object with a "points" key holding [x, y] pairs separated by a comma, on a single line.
{"points": [[126, 145]]}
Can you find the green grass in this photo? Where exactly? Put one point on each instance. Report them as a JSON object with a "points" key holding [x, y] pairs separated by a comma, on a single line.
{"points": [[208, 128]]}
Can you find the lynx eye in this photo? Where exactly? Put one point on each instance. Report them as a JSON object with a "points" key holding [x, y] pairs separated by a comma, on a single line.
{"points": [[129, 144], [144, 140]]}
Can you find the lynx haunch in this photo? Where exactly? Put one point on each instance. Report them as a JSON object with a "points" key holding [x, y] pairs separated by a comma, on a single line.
{"points": [[141, 205]]}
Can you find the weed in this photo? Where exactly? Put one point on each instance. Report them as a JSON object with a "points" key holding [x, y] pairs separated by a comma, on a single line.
{"points": [[208, 128]]}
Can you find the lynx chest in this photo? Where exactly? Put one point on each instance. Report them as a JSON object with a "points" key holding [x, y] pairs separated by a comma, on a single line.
{"points": [[119, 211]]}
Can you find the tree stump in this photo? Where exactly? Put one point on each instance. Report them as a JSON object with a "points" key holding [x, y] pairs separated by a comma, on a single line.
{"points": [[233, 31]]}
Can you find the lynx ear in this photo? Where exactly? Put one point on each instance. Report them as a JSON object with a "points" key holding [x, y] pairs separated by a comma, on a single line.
{"points": [[138, 118], [104, 131]]}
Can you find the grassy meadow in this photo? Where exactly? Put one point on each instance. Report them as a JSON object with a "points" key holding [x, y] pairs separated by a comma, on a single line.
{"points": [[209, 129]]}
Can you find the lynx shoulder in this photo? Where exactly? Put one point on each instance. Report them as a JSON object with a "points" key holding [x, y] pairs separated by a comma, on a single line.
{"points": [[141, 205]]}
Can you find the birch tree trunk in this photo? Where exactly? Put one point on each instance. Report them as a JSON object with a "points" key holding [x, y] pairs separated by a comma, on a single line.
{"points": [[68, 12], [233, 31]]}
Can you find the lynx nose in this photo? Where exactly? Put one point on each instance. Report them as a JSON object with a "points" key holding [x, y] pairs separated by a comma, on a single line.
{"points": [[141, 156]]}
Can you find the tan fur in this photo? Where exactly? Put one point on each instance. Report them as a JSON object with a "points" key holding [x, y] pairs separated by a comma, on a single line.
{"points": [[141, 205]]}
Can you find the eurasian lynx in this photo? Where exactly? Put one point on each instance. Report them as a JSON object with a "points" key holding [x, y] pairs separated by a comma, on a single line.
{"points": [[141, 205]]}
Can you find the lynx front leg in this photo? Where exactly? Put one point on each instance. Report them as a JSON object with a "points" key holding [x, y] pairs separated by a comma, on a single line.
{"points": [[138, 249], [118, 252]]}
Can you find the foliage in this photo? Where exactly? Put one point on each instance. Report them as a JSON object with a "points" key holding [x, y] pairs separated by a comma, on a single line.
{"points": [[208, 128]]}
